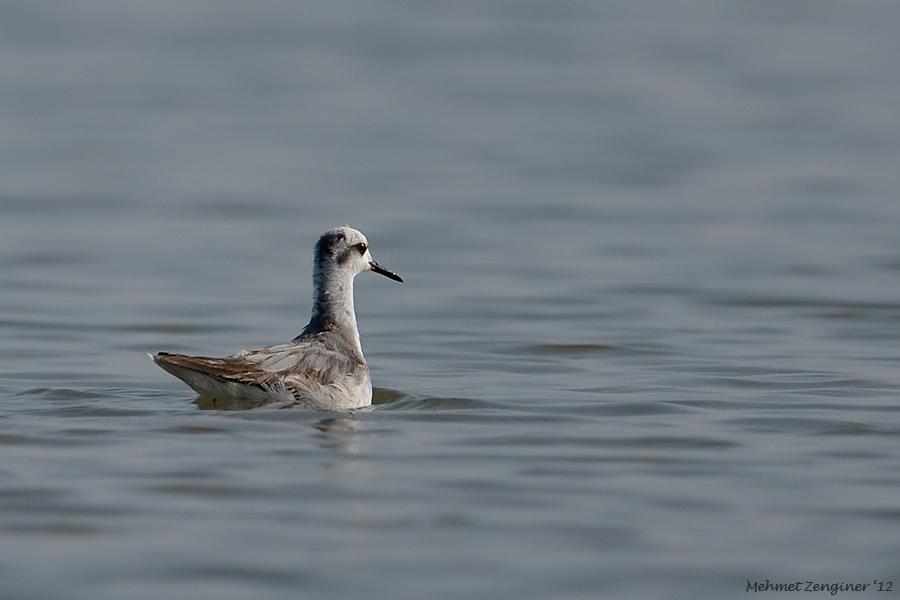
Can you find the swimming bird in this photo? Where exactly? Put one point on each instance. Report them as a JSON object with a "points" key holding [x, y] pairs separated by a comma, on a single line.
{"points": [[323, 367]]}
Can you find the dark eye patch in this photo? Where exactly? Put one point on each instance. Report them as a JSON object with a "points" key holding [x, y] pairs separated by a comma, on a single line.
{"points": [[328, 243]]}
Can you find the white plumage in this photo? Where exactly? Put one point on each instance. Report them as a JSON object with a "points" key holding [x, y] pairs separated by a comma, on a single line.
{"points": [[322, 368]]}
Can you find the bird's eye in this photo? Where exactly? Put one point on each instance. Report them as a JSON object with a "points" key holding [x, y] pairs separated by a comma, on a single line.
{"points": [[361, 247]]}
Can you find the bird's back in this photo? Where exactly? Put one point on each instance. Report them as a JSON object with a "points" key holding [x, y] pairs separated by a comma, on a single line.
{"points": [[319, 370]]}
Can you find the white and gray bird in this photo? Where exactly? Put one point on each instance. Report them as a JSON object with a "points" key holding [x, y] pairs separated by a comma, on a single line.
{"points": [[322, 368]]}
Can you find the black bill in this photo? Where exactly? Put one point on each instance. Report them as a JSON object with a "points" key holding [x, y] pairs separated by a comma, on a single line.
{"points": [[381, 270]]}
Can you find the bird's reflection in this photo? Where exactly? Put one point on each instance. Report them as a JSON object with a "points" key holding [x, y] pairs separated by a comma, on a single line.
{"points": [[342, 433], [339, 434], [217, 403]]}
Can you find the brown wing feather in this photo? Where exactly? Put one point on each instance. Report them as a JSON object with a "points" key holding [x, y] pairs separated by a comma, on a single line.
{"points": [[307, 363], [230, 369]]}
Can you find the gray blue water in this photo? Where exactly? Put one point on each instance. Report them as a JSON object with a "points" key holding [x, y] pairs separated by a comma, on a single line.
{"points": [[649, 340]]}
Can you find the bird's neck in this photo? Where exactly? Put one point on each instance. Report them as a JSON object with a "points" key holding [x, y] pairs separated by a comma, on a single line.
{"points": [[333, 305]]}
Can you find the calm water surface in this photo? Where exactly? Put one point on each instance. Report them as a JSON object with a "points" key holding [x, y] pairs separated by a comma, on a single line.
{"points": [[649, 340]]}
